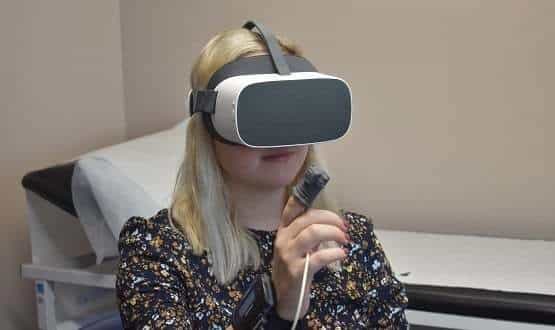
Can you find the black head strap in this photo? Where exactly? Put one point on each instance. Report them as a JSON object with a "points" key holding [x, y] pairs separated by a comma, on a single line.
{"points": [[259, 64], [272, 45], [205, 100]]}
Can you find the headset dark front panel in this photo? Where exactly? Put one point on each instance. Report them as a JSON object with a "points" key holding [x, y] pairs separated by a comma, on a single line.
{"points": [[293, 112]]}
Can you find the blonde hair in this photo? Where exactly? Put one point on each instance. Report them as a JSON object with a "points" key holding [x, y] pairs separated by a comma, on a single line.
{"points": [[201, 206]]}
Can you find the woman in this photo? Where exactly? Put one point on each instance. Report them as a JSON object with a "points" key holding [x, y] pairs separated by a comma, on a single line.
{"points": [[188, 265]]}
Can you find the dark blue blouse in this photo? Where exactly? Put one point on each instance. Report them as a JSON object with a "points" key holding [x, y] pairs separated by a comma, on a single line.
{"points": [[162, 284]]}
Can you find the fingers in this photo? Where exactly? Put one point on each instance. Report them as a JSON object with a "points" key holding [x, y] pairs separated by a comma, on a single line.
{"points": [[312, 216], [313, 235], [323, 257]]}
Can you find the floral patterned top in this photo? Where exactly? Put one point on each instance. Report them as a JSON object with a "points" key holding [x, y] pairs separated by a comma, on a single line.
{"points": [[161, 284]]}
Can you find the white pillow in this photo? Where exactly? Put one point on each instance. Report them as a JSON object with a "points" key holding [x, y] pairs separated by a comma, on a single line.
{"points": [[133, 178]]}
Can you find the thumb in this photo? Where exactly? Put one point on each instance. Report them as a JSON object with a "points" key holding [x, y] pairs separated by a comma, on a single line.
{"points": [[291, 211]]}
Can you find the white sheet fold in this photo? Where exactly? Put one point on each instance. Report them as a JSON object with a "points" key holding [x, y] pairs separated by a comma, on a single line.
{"points": [[133, 178]]}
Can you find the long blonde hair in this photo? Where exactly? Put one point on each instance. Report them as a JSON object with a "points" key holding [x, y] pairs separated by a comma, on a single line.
{"points": [[201, 207]]}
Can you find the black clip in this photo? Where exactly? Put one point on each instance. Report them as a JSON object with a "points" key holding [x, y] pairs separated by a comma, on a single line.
{"points": [[202, 101]]}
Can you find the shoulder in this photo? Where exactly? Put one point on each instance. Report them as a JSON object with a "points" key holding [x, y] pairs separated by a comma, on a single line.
{"points": [[154, 234], [361, 226], [365, 245], [158, 221], [366, 248], [358, 218]]}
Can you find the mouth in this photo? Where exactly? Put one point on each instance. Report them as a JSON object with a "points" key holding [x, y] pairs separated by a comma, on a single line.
{"points": [[278, 156]]}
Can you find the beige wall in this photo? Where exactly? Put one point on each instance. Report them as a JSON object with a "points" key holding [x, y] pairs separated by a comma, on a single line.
{"points": [[453, 119], [452, 125], [61, 95], [160, 41]]}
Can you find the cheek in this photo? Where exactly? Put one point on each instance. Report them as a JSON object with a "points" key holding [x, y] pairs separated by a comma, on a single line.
{"points": [[245, 165], [237, 162]]}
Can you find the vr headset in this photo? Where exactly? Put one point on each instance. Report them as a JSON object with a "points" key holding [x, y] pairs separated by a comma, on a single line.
{"points": [[274, 100]]}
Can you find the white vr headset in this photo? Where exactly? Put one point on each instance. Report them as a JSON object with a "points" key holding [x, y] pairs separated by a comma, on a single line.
{"points": [[273, 100]]}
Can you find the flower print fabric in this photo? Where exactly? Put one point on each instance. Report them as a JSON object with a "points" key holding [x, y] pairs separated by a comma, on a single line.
{"points": [[161, 284]]}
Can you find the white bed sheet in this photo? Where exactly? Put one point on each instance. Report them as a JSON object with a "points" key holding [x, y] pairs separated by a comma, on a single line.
{"points": [[490, 263]]}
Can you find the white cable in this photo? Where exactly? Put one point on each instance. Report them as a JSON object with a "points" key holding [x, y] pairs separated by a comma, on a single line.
{"points": [[299, 305]]}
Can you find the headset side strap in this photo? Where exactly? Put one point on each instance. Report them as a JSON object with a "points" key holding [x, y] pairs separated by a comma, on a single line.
{"points": [[202, 101]]}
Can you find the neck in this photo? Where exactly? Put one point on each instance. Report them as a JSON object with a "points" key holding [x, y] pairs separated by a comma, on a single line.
{"points": [[258, 208]]}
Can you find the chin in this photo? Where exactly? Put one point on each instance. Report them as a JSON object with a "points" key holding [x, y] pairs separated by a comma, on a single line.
{"points": [[277, 180]]}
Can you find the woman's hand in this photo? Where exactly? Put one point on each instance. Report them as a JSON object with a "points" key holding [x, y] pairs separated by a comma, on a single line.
{"points": [[296, 236]]}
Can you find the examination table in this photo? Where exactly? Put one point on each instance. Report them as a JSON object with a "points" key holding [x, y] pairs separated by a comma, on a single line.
{"points": [[452, 281]]}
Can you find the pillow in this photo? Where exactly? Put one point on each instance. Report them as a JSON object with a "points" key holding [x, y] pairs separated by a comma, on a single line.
{"points": [[133, 178]]}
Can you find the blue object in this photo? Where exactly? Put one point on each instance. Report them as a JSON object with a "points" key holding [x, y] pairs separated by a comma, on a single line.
{"points": [[40, 288]]}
